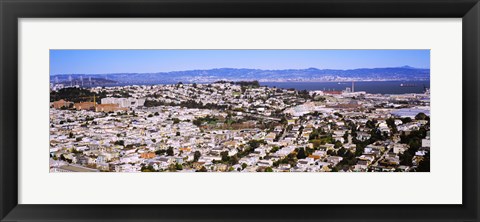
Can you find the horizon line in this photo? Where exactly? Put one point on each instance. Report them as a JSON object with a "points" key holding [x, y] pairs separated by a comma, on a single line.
{"points": [[405, 66]]}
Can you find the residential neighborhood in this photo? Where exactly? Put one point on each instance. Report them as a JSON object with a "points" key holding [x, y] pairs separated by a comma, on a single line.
{"points": [[242, 126]]}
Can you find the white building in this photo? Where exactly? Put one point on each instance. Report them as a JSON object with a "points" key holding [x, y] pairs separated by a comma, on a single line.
{"points": [[124, 102]]}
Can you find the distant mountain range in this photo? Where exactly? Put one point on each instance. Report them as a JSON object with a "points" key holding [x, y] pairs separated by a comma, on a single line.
{"points": [[404, 73]]}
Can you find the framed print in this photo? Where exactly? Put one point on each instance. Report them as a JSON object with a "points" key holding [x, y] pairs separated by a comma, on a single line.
{"points": [[224, 110]]}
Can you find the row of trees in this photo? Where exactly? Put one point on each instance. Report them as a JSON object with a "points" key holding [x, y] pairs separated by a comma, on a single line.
{"points": [[208, 119], [76, 95], [192, 104], [414, 141]]}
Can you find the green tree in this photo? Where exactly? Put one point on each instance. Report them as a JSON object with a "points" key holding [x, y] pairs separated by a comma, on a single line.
{"points": [[283, 120], [301, 153], [342, 152], [196, 156], [274, 149], [244, 165], [147, 169], [338, 144], [160, 152], [424, 165], [170, 151], [372, 124], [203, 169], [421, 116], [360, 148], [391, 123], [179, 166], [268, 169], [233, 160], [255, 143], [406, 158], [172, 167], [331, 153], [225, 156], [406, 120], [345, 136], [120, 142]]}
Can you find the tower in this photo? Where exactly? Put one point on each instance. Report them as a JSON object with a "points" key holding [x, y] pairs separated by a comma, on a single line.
{"points": [[353, 86]]}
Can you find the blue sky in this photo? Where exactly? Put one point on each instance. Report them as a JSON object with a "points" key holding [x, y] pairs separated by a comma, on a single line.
{"points": [[145, 61]]}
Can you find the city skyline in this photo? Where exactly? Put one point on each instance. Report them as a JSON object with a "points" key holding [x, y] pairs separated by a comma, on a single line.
{"points": [[279, 115], [153, 61]]}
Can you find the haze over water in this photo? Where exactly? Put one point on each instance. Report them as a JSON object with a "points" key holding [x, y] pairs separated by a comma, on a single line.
{"points": [[374, 87]]}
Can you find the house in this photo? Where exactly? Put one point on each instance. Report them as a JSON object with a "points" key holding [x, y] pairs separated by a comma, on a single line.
{"points": [[350, 146], [101, 159], [303, 163], [231, 144], [155, 165], [148, 155], [270, 137], [221, 167], [179, 160], [399, 148], [249, 160], [367, 157], [84, 106], [327, 147], [128, 168], [390, 160], [131, 158], [319, 153], [103, 166], [285, 151], [185, 149], [362, 136], [124, 102], [128, 151], [61, 104], [265, 163], [362, 165], [425, 142], [109, 108], [334, 159], [283, 168], [373, 150], [198, 165], [164, 162]]}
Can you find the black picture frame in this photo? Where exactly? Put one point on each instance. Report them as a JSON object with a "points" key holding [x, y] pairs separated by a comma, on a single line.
{"points": [[12, 10]]}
